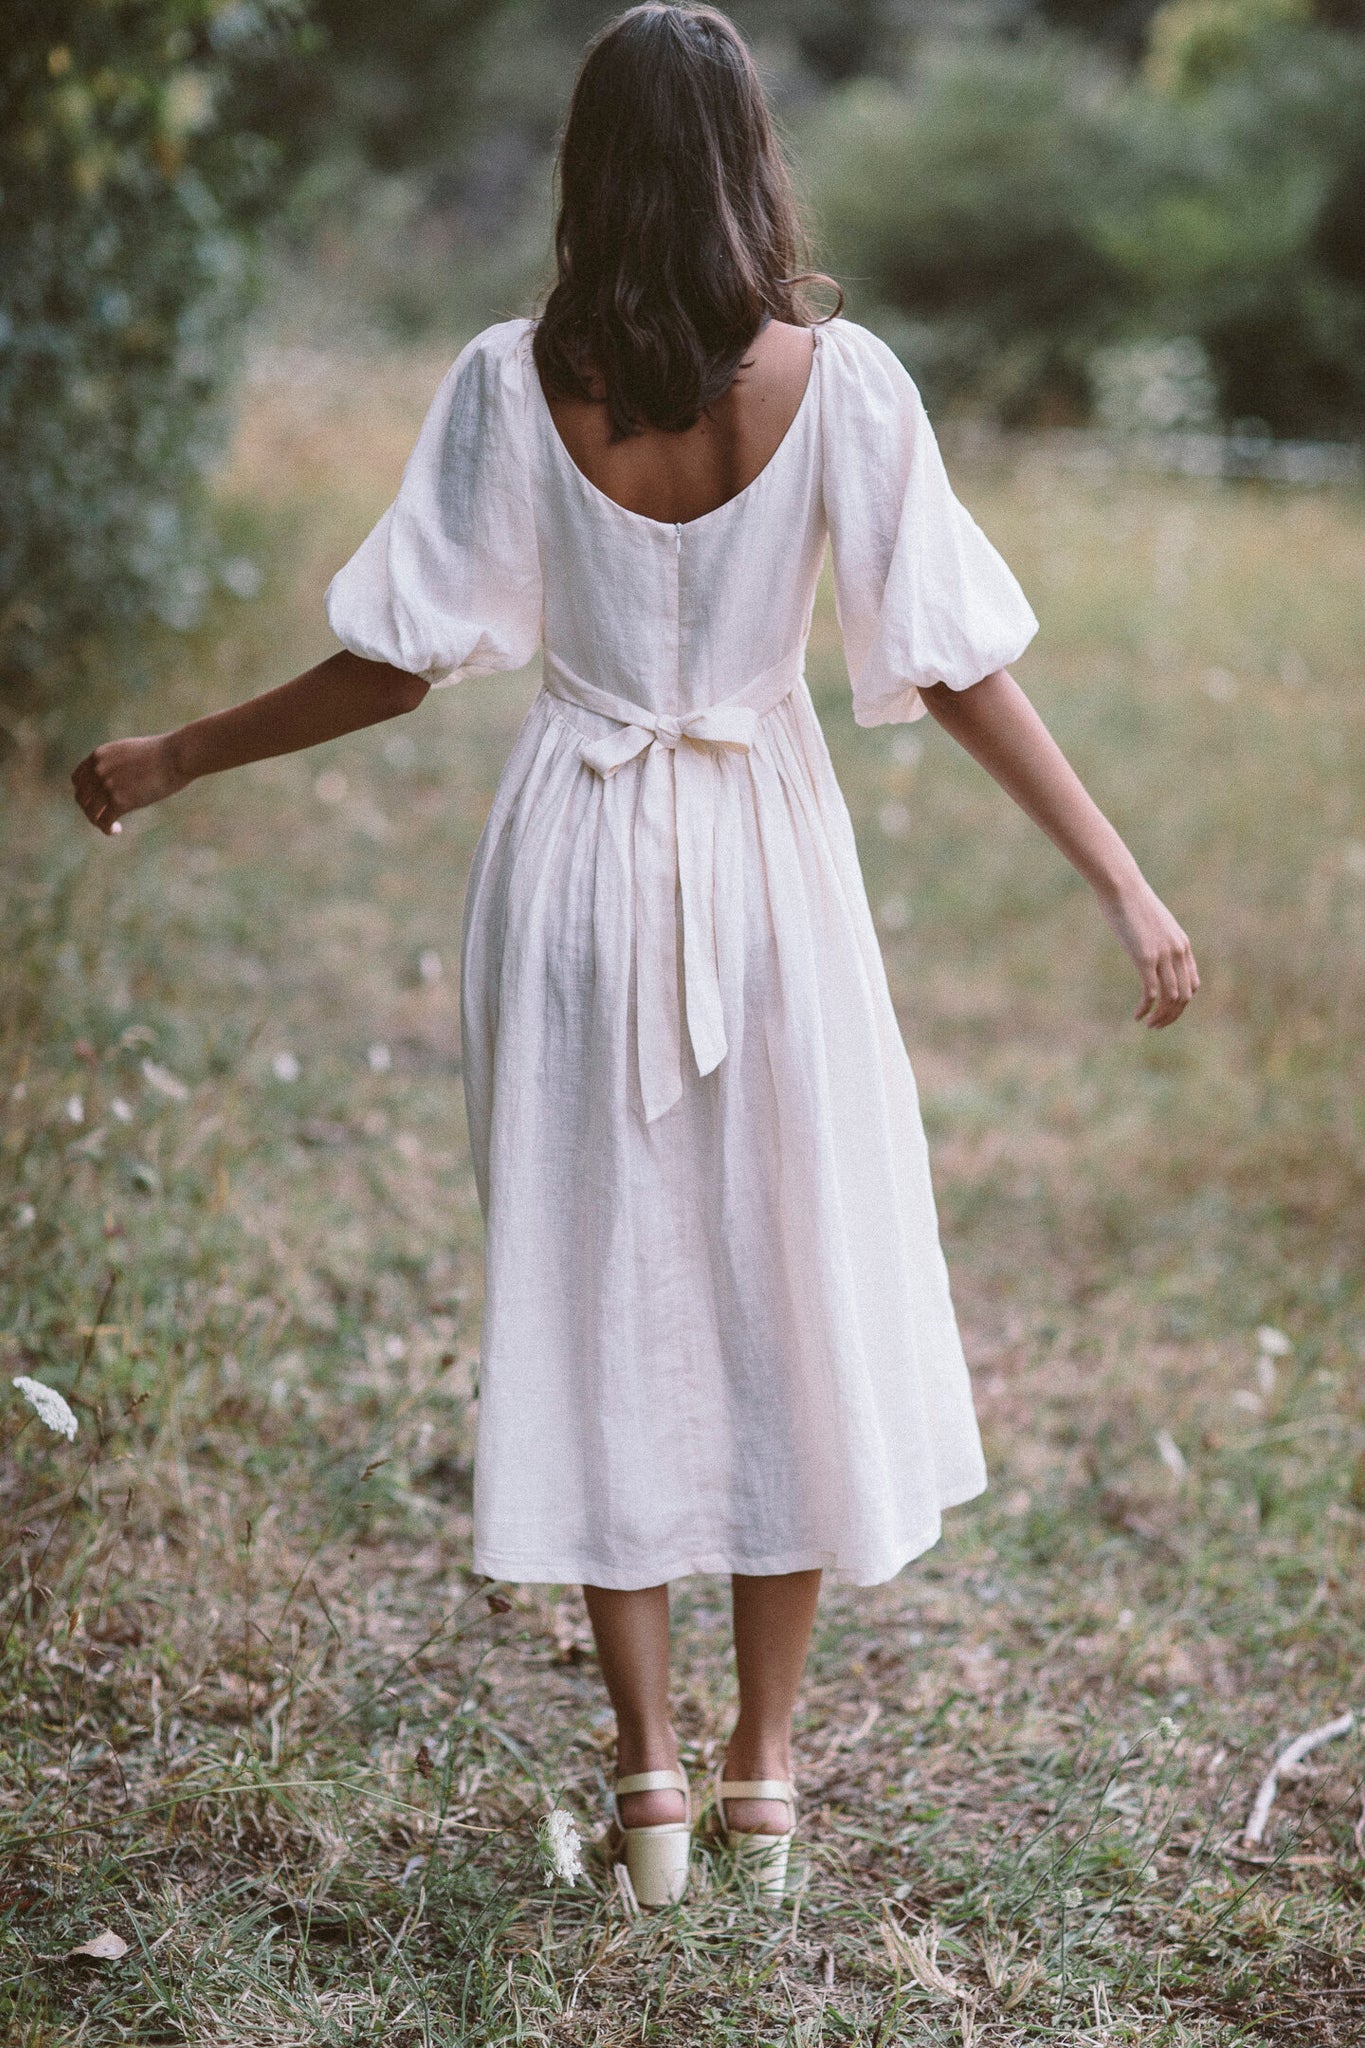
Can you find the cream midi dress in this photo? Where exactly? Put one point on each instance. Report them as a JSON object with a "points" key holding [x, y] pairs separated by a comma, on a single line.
{"points": [[717, 1331]]}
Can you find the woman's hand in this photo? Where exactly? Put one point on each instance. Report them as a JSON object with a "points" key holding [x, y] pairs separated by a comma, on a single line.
{"points": [[1158, 949], [126, 775]]}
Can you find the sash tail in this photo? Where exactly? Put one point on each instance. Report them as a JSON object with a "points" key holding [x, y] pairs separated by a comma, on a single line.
{"points": [[673, 851]]}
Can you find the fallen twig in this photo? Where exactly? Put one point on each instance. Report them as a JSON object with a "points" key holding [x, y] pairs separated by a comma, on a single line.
{"points": [[1297, 1750]]}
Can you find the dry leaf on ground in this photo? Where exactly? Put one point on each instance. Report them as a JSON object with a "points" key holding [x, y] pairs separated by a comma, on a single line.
{"points": [[104, 1947]]}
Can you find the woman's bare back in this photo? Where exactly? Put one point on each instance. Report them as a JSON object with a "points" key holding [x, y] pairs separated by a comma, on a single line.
{"points": [[682, 476]]}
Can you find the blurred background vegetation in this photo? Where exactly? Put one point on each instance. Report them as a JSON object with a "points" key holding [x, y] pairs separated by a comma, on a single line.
{"points": [[1057, 211]]}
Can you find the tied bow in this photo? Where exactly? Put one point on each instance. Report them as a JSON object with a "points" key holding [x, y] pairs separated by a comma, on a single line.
{"points": [[718, 725], [674, 859]]}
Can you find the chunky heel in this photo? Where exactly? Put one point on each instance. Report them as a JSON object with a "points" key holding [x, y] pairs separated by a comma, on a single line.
{"points": [[657, 1857], [763, 1857]]}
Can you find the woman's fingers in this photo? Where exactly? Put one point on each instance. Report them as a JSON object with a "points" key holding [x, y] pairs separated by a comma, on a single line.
{"points": [[1162, 956], [1160, 997], [90, 792], [1151, 991], [94, 797], [1169, 980]]}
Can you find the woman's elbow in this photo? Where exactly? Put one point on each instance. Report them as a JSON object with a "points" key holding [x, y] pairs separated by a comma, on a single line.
{"points": [[951, 704], [405, 690]]}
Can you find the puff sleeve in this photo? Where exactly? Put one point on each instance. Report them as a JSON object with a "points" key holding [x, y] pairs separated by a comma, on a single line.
{"points": [[447, 583], [921, 594]]}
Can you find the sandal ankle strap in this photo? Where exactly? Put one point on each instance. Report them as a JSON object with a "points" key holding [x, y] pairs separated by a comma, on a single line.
{"points": [[653, 1781], [754, 1788]]}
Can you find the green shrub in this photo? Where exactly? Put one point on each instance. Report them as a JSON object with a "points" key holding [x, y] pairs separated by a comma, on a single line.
{"points": [[1245, 220], [962, 216], [1018, 209], [130, 180]]}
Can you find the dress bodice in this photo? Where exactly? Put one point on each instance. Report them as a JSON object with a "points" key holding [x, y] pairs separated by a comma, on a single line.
{"points": [[676, 616], [498, 543]]}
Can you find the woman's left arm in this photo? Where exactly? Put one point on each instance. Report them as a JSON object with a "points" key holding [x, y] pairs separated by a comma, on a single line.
{"points": [[999, 727], [339, 694]]}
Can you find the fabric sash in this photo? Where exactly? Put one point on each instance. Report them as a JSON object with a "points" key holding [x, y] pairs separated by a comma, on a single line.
{"points": [[674, 856]]}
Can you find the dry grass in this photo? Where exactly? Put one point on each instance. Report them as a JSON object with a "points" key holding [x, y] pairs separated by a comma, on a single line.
{"points": [[258, 1718]]}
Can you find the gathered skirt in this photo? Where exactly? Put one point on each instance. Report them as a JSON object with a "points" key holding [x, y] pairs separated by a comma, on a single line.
{"points": [[718, 1338]]}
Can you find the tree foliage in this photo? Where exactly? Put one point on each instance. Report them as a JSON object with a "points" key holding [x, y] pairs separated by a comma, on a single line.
{"points": [[129, 171], [1246, 224], [962, 217], [1017, 205]]}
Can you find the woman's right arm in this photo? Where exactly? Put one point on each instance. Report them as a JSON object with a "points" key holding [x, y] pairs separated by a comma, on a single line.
{"points": [[337, 695], [998, 726]]}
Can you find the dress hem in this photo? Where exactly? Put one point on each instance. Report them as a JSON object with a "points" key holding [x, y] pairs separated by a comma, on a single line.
{"points": [[489, 1564]]}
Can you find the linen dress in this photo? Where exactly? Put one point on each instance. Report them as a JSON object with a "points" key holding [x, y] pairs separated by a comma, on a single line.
{"points": [[718, 1334]]}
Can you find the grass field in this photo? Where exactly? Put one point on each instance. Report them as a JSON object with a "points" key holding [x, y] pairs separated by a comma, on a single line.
{"points": [[260, 1722]]}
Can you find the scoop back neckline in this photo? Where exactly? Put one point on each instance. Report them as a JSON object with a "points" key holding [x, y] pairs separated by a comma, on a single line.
{"points": [[643, 518]]}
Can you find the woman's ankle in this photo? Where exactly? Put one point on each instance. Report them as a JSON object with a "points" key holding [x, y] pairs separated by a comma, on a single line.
{"points": [[652, 1747], [758, 1752], [751, 1754], [647, 1749]]}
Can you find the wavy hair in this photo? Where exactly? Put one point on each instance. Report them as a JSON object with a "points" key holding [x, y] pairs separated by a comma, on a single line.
{"points": [[678, 234]]}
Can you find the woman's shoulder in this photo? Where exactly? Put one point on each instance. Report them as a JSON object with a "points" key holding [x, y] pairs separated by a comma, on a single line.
{"points": [[494, 348], [862, 362], [482, 394]]}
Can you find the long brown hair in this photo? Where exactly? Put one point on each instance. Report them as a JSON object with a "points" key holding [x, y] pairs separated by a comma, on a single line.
{"points": [[678, 232]]}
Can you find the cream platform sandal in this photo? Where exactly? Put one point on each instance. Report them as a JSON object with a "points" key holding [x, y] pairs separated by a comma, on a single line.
{"points": [[763, 1856], [656, 1857]]}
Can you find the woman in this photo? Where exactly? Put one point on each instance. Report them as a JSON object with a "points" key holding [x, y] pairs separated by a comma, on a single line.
{"points": [[718, 1334]]}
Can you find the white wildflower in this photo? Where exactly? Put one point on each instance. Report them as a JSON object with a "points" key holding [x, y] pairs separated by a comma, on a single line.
{"points": [[25, 1216], [893, 819], [562, 1846], [1273, 1342], [75, 1109], [50, 1406], [1073, 1899], [1167, 1729], [1171, 1455], [285, 1067], [893, 913], [121, 1110], [380, 1059], [164, 1081]]}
